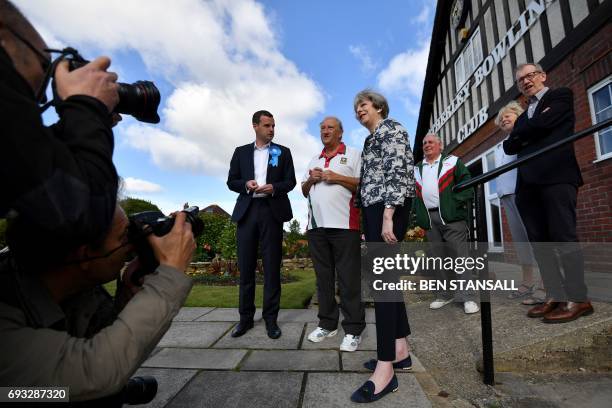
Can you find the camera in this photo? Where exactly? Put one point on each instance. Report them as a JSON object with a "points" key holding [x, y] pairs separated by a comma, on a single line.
{"points": [[154, 222], [140, 99], [139, 390]]}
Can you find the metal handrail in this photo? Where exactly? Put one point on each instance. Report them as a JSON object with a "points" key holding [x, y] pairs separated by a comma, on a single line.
{"points": [[478, 182], [483, 178]]}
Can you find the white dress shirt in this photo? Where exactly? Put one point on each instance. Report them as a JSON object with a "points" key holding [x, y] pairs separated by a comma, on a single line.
{"points": [[260, 160], [431, 194]]}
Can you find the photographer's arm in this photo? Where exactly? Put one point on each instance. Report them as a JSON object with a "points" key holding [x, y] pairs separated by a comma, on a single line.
{"points": [[61, 175], [101, 365]]}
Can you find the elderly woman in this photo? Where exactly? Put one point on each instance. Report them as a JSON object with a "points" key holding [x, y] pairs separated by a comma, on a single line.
{"points": [[506, 186], [385, 193]]}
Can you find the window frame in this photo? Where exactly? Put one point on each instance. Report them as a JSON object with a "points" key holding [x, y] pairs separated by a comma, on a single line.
{"points": [[606, 82], [469, 48], [490, 197]]}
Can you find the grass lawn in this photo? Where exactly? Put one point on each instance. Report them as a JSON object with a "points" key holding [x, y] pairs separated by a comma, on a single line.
{"points": [[294, 295]]}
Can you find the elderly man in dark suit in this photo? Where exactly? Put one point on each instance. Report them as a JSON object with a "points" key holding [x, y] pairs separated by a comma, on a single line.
{"points": [[547, 190], [262, 173]]}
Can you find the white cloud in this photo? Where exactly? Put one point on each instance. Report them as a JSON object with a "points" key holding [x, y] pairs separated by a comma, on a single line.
{"points": [[361, 53], [134, 185], [423, 16], [223, 59], [405, 73], [357, 136]]}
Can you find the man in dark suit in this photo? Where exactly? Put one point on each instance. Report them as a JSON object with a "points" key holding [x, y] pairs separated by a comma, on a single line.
{"points": [[547, 190], [262, 173]]}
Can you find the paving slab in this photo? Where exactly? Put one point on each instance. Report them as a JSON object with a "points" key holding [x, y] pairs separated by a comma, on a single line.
{"points": [[562, 390], [368, 339], [257, 338], [370, 317], [292, 360], [354, 362], [298, 315], [240, 390], [196, 358], [226, 314], [189, 314], [194, 334], [332, 390], [169, 383]]}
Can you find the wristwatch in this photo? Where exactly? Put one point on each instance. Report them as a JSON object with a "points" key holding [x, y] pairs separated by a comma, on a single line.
{"points": [[389, 206]]}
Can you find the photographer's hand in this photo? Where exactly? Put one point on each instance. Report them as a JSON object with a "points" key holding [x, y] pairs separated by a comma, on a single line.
{"points": [[125, 288], [176, 248], [91, 80]]}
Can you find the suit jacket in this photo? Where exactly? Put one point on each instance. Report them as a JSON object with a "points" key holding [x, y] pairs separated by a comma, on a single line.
{"points": [[552, 121], [281, 176]]}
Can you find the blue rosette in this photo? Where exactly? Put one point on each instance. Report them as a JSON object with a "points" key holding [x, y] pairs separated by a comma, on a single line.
{"points": [[275, 151]]}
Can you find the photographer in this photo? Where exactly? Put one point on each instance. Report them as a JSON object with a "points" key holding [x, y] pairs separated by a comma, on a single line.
{"points": [[61, 177], [59, 327]]}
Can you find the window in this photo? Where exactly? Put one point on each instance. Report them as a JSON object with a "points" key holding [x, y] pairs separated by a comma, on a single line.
{"points": [[469, 59], [492, 208], [600, 99]]}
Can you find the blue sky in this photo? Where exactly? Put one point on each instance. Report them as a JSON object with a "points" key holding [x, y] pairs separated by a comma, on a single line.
{"points": [[216, 62]]}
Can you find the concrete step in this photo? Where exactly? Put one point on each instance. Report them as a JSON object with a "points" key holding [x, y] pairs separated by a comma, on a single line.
{"points": [[585, 344]]}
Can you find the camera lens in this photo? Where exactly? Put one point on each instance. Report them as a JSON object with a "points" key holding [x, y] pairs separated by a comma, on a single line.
{"points": [[140, 390], [140, 100]]}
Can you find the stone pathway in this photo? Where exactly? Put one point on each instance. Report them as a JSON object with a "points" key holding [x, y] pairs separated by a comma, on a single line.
{"points": [[198, 364]]}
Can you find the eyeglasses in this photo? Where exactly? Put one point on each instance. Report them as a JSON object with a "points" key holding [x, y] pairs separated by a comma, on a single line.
{"points": [[528, 76]]}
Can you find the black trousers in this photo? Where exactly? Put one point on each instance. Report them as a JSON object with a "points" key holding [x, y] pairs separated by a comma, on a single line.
{"points": [[336, 250], [391, 317], [258, 227], [549, 215]]}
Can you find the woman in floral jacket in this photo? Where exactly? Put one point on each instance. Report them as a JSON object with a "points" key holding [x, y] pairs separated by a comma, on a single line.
{"points": [[385, 194]]}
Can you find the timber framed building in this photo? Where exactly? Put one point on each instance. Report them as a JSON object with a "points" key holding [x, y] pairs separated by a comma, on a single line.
{"points": [[475, 46]]}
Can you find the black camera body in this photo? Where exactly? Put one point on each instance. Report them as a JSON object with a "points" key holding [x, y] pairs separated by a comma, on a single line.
{"points": [[140, 99], [154, 222]]}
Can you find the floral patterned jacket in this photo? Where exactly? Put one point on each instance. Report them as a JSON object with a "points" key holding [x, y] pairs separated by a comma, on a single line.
{"points": [[387, 166]]}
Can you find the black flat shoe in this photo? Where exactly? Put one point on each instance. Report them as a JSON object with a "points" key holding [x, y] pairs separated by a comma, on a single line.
{"points": [[365, 393], [274, 332], [405, 364], [242, 328]]}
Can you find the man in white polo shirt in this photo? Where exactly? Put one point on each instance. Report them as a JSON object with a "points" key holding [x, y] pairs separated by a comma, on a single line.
{"points": [[330, 184]]}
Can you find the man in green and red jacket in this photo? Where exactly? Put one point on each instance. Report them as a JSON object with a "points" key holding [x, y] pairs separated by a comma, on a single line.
{"points": [[443, 213]]}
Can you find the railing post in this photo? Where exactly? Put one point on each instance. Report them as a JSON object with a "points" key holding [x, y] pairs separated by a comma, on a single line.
{"points": [[485, 298], [481, 241]]}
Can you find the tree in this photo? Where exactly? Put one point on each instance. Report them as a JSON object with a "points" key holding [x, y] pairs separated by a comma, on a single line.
{"points": [[293, 237], [227, 241], [135, 205], [209, 243]]}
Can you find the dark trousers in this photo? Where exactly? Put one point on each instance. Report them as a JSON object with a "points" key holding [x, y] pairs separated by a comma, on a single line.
{"points": [[391, 317], [335, 250], [549, 215], [259, 227], [450, 239]]}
